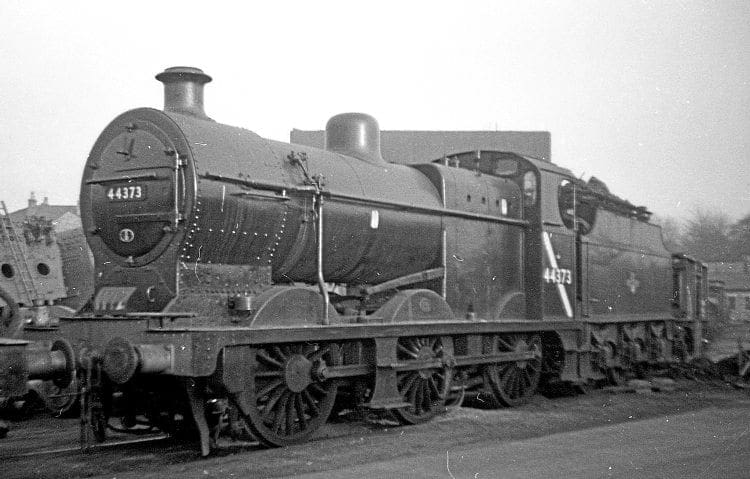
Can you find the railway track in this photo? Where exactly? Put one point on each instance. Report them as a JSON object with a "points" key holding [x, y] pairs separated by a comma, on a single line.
{"points": [[94, 447], [49, 448]]}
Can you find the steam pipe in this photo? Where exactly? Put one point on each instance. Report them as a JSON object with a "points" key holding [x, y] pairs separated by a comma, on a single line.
{"points": [[321, 279]]}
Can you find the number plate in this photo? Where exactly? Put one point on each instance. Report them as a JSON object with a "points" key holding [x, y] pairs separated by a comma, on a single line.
{"points": [[130, 192], [558, 275]]}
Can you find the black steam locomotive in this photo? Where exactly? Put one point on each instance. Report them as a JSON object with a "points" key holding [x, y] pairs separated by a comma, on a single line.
{"points": [[243, 277]]}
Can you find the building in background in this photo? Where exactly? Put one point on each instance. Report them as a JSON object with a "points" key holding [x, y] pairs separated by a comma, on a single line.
{"points": [[410, 147], [735, 277], [43, 210], [46, 268]]}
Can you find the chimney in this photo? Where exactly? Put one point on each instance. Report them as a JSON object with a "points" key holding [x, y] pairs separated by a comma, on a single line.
{"points": [[183, 90]]}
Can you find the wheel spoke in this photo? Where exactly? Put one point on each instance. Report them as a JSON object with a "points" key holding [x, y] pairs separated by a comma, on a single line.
{"points": [[412, 394], [413, 345], [289, 415], [428, 396], [435, 392], [505, 345], [535, 363], [279, 354], [280, 414], [312, 405], [516, 383], [270, 387], [506, 380], [418, 406], [526, 377], [504, 375], [263, 356], [271, 414], [274, 400], [317, 354], [300, 411], [407, 351], [424, 396], [317, 388], [409, 381]]}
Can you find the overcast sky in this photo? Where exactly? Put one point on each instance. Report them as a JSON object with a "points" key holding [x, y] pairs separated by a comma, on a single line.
{"points": [[653, 98]]}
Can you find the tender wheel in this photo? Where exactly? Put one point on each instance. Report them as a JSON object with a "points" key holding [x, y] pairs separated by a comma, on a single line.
{"points": [[616, 376], [658, 351], [513, 383], [424, 389], [683, 348], [615, 366], [287, 400]]}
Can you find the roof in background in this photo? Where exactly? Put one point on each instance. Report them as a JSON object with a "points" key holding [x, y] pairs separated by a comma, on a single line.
{"points": [[736, 275], [409, 147], [43, 210]]}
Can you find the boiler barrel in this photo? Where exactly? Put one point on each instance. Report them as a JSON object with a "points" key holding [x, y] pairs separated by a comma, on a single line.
{"points": [[376, 226]]}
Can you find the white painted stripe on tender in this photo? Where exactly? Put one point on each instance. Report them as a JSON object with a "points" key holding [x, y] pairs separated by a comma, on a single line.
{"points": [[560, 287]]}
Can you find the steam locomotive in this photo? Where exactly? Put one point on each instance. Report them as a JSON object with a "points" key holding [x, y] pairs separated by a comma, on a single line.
{"points": [[244, 279]]}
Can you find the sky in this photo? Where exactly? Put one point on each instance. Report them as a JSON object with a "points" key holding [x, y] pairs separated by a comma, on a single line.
{"points": [[653, 98]]}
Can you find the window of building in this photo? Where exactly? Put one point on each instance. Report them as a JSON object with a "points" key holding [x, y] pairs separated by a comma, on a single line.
{"points": [[747, 303], [43, 269], [732, 302], [7, 270]]}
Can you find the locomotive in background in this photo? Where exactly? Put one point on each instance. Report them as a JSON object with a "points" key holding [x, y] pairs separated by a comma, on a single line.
{"points": [[45, 272], [243, 277]]}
